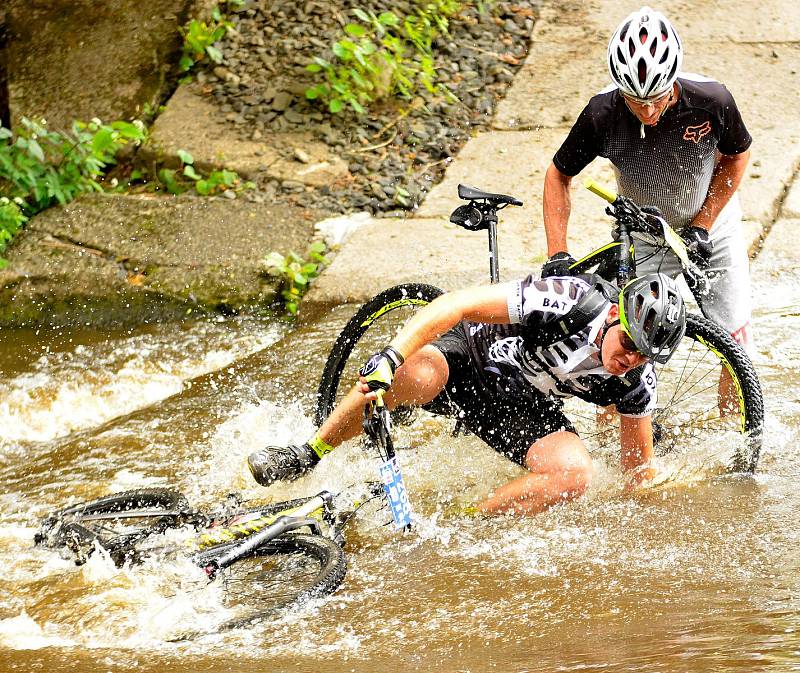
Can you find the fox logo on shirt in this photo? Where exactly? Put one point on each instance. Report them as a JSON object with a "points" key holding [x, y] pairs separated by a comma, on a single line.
{"points": [[695, 133]]}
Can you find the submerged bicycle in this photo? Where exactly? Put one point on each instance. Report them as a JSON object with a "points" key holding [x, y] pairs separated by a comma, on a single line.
{"points": [[265, 558], [689, 413]]}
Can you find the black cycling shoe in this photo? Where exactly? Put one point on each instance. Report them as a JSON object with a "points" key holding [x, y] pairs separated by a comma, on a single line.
{"points": [[281, 463]]}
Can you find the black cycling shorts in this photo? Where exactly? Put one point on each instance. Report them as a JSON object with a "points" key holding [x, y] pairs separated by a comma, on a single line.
{"points": [[509, 425]]}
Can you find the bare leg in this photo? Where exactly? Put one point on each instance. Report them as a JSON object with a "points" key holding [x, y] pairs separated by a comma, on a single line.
{"points": [[560, 471], [418, 381]]}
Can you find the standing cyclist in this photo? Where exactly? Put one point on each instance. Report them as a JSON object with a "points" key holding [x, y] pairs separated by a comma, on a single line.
{"points": [[677, 143], [502, 358]]}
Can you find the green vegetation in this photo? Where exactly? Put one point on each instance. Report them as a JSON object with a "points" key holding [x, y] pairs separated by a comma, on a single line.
{"points": [[383, 55], [11, 221], [296, 273], [187, 177], [40, 167], [200, 37]]}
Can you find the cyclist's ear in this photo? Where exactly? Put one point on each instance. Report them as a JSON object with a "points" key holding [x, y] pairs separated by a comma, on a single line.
{"points": [[613, 313]]}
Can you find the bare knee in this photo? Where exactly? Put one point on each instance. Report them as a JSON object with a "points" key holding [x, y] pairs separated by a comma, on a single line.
{"points": [[421, 377], [562, 459]]}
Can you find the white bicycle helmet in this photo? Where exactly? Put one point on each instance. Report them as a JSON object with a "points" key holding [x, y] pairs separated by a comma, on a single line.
{"points": [[645, 54]]}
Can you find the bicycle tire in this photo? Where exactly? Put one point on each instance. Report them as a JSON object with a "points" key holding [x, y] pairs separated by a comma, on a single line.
{"points": [[688, 414], [142, 513], [369, 316], [278, 575]]}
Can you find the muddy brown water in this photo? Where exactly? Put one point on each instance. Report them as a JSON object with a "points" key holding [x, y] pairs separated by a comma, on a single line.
{"points": [[698, 573]]}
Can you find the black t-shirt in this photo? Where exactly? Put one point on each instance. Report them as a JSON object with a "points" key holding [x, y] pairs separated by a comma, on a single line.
{"points": [[672, 165]]}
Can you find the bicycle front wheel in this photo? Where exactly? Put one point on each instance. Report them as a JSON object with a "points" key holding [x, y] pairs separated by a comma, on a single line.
{"points": [[694, 413], [379, 319], [278, 575], [116, 522]]}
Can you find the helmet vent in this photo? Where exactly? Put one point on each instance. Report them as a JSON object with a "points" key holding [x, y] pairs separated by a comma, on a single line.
{"points": [[642, 71], [654, 289]]}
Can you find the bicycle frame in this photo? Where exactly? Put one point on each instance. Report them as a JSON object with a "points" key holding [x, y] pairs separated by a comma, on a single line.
{"points": [[616, 261]]}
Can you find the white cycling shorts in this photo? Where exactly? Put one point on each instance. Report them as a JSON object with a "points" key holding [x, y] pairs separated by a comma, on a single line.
{"points": [[728, 301]]}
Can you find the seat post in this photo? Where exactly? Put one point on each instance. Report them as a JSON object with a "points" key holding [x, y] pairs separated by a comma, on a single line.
{"points": [[494, 262]]}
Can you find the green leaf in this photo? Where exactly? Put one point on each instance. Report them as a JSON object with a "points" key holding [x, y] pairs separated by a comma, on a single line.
{"points": [[355, 30], [214, 54], [336, 105], [312, 93], [388, 19], [35, 150], [314, 67], [185, 157], [202, 187], [189, 172]]}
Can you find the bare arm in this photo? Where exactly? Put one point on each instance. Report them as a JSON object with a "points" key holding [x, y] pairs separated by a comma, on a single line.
{"points": [[556, 207], [482, 304], [727, 177], [636, 444]]}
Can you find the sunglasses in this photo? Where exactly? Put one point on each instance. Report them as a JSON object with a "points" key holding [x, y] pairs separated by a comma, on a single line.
{"points": [[627, 343], [647, 101]]}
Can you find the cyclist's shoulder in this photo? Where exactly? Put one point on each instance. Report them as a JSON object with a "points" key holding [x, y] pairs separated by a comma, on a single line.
{"points": [[542, 300], [701, 91]]}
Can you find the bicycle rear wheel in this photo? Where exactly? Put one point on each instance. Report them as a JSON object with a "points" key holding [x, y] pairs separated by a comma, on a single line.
{"points": [[689, 416], [116, 522], [381, 316], [278, 575]]}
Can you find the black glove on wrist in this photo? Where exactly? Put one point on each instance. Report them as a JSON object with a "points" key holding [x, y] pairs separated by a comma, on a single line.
{"points": [[698, 245], [379, 370], [558, 265]]}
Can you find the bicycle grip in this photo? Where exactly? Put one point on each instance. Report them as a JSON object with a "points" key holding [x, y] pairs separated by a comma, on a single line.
{"points": [[601, 191]]}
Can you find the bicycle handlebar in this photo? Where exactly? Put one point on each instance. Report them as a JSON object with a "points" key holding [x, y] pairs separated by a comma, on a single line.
{"points": [[601, 191]]}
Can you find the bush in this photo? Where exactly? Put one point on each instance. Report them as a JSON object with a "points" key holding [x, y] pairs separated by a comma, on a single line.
{"points": [[296, 273], [40, 167]]}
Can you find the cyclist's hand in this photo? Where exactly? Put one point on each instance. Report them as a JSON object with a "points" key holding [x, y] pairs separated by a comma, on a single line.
{"points": [[698, 245], [655, 218], [558, 265], [378, 372]]}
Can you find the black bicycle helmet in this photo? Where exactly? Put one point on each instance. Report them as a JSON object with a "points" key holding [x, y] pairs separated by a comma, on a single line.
{"points": [[652, 313]]}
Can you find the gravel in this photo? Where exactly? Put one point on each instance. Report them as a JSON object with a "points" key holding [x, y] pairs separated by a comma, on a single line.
{"points": [[399, 148]]}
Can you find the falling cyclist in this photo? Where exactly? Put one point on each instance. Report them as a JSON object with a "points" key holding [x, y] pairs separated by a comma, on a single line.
{"points": [[502, 358]]}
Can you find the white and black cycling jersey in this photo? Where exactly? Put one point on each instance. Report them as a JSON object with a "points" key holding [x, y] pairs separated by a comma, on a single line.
{"points": [[570, 367], [669, 165]]}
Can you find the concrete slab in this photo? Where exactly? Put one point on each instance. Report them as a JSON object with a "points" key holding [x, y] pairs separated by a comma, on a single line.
{"points": [[791, 206], [771, 21], [386, 252], [553, 85], [192, 123]]}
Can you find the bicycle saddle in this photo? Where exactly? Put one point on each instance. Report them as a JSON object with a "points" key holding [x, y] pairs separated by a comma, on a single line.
{"points": [[472, 194]]}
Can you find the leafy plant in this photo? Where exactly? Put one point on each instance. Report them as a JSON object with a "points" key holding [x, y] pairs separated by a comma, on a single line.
{"points": [[41, 167], [381, 56], [200, 37], [183, 179], [11, 221], [296, 273]]}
